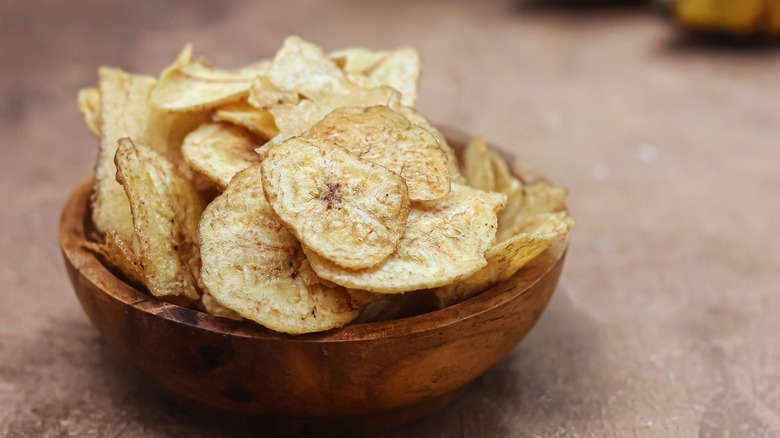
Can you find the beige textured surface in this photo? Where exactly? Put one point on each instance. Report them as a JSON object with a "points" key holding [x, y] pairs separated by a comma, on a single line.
{"points": [[665, 323]]}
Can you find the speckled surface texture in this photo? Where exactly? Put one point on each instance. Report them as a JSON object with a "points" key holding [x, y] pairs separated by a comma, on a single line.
{"points": [[665, 321]]}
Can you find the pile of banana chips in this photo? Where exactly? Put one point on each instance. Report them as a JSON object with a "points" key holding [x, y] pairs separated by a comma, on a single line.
{"points": [[301, 192]]}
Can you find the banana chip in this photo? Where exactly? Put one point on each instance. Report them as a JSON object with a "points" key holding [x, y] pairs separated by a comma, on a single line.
{"points": [[219, 151], [477, 166], [245, 115], [535, 199], [124, 113], [213, 307], [193, 84], [357, 60], [255, 267], [89, 106], [444, 241], [452, 161], [118, 255], [400, 69], [382, 136], [165, 210], [350, 211], [506, 258], [486, 170], [303, 85]]}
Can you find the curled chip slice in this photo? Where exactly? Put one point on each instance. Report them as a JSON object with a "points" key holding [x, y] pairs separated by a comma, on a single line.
{"points": [[486, 170], [382, 136], [192, 84], [350, 211], [165, 210], [89, 106], [245, 115], [444, 241], [119, 256], [507, 257], [255, 267], [535, 199], [219, 151], [125, 113], [400, 69], [452, 161]]}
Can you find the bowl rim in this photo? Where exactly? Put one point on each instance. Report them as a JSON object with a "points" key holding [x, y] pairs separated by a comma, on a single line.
{"points": [[72, 237]]}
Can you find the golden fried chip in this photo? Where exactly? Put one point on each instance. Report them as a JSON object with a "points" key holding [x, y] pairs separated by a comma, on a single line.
{"points": [[243, 114], [302, 69], [125, 113], [219, 151], [535, 199], [400, 69], [165, 210], [486, 170], [213, 307], [452, 161], [350, 211], [357, 60], [193, 84], [506, 258], [119, 256], [477, 165], [382, 136], [89, 106], [444, 241], [253, 265]]}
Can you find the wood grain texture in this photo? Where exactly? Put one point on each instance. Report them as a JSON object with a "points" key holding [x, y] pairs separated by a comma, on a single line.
{"points": [[665, 321]]}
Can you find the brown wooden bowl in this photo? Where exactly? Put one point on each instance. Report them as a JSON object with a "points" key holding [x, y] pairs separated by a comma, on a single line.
{"points": [[360, 378]]}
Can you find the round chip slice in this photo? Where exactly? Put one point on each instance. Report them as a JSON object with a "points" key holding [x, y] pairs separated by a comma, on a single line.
{"points": [[382, 136], [255, 267], [444, 241], [508, 256], [219, 151], [350, 211]]}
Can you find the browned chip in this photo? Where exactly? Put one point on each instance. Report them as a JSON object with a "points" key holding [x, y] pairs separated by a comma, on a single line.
{"points": [[444, 241], [255, 267], [382, 136], [165, 210], [219, 151], [119, 256], [507, 257], [350, 211]]}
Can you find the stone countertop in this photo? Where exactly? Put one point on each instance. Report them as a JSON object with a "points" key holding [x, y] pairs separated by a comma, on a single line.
{"points": [[665, 320]]}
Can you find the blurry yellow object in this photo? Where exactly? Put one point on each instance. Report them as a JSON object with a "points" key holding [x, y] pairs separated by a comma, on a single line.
{"points": [[732, 16]]}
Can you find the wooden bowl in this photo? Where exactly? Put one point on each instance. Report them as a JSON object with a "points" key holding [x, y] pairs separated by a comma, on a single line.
{"points": [[360, 378]]}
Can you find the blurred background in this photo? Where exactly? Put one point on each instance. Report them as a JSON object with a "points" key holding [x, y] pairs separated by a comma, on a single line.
{"points": [[662, 118]]}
